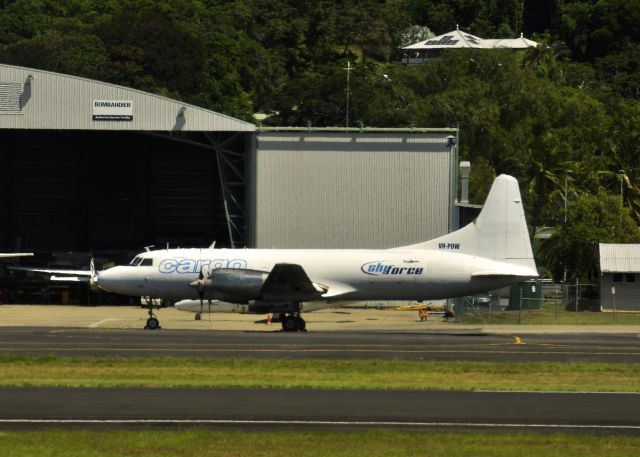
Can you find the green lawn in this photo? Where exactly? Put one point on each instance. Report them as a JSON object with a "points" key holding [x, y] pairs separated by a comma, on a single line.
{"points": [[318, 374], [203, 443]]}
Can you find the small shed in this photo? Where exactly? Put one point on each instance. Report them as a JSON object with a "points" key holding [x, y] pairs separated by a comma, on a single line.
{"points": [[619, 277]]}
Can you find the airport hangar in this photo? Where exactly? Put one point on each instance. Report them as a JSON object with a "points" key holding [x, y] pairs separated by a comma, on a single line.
{"points": [[89, 168]]}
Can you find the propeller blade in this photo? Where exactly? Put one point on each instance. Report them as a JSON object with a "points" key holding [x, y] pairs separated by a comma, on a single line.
{"points": [[201, 289], [93, 279]]}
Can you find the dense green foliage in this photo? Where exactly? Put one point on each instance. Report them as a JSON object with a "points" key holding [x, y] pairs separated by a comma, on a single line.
{"points": [[568, 108]]}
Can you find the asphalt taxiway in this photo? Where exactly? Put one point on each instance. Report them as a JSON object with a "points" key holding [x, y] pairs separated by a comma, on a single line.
{"points": [[612, 348], [313, 409]]}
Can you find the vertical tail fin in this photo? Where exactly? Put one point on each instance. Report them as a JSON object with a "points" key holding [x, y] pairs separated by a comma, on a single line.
{"points": [[498, 233]]}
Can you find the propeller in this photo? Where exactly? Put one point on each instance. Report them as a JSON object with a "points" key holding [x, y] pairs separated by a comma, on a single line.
{"points": [[93, 279], [201, 289]]}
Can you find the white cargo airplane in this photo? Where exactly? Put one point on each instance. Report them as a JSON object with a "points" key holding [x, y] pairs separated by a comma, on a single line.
{"points": [[491, 252]]}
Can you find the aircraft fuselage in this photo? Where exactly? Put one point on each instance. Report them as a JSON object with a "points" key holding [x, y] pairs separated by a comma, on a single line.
{"points": [[413, 274]]}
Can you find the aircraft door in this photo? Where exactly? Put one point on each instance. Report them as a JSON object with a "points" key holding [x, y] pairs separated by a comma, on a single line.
{"points": [[149, 281]]}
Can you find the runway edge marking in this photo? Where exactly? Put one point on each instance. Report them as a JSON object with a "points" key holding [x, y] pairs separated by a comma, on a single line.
{"points": [[303, 422]]}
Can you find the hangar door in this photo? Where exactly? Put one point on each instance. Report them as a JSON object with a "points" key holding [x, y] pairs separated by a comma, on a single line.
{"points": [[81, 191]]}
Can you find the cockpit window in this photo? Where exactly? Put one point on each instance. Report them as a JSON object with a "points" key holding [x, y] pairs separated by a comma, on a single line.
{"points": [[136, 260], [146, 262]]}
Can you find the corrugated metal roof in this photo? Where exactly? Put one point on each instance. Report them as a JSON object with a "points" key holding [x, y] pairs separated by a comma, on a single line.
{"points": [[55, 101], [458, 39], [619, 258]]}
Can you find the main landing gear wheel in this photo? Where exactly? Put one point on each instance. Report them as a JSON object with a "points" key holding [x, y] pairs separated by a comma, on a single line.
{"points": [[293, 323], [198, 316]]}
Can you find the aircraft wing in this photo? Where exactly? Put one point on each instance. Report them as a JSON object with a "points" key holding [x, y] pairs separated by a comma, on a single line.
{"points": [[54, 271], [289, 282], [335, 290]]}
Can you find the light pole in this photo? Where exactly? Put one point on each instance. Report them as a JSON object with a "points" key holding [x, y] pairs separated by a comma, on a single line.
{"points": [[348, 69]]}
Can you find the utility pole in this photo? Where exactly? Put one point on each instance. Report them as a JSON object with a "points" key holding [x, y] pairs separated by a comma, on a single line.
{"points": [[348, 69], [565, 291]]}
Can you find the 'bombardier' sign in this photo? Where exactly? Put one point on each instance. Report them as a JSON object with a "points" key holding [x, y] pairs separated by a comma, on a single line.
{"points": [[112, 110]]}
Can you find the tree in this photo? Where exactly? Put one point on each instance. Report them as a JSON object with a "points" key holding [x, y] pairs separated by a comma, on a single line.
{"points": [[591, 219]]}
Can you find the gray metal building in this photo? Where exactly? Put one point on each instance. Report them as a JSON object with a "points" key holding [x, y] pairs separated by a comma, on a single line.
{"points": [[372, 188], [619, 277]]}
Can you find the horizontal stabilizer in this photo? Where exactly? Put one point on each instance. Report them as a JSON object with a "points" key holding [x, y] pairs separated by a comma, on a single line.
{"points": [[494, 274]]}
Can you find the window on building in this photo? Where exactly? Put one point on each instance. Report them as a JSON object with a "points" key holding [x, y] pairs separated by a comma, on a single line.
{"points": [[624, 277]]}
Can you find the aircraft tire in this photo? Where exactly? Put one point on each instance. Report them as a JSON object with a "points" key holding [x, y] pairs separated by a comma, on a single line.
{"points": [[301, 324], [198, 316], [290, 324], [152, 324]]}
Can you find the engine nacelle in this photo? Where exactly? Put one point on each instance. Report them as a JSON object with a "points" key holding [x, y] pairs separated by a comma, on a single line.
{"points": [[235, 285]]}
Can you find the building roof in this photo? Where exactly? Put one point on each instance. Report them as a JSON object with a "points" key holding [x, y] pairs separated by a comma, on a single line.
{"points": [[458, 40], [510, 43], [451, 40], [38, 99], [619, 258]]}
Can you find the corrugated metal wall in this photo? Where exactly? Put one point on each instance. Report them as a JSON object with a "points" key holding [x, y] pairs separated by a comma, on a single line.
{"points": [[350, 190], [55, 101], [627, 296]]}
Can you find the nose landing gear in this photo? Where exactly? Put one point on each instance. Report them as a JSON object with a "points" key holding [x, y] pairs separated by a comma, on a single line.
{"points": [[152, 322]]}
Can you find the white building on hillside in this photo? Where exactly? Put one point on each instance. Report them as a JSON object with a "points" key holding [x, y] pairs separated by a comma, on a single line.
{"points": [[421, 51]]}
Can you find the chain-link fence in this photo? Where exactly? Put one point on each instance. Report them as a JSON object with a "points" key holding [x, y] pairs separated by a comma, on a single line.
{"points": [[540, 302]]}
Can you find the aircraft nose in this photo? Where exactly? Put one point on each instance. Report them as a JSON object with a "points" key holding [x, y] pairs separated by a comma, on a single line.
{"points": [[107, 280]]}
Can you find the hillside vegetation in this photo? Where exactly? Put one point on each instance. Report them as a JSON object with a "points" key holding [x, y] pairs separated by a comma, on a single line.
{"points": [[566, 112]]}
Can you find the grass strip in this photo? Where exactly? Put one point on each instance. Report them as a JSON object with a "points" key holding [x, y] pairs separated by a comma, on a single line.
{"points": [[56, 371], [203, 443]]}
